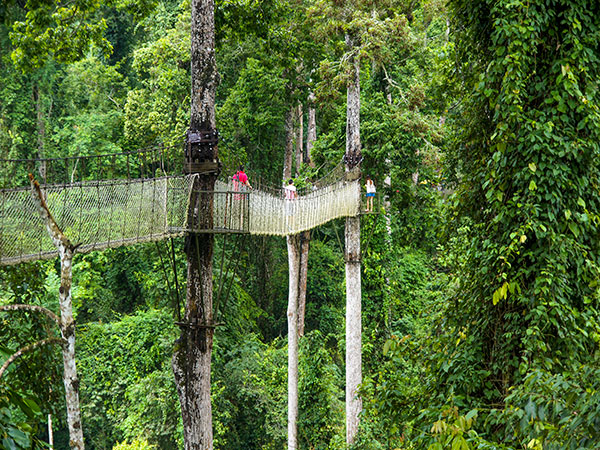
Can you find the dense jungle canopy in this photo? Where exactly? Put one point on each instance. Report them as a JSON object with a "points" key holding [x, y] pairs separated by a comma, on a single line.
{"points": [[480, 126]]}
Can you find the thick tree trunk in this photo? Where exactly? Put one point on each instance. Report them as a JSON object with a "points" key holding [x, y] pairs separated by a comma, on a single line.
{"points": [[353, 266], [67, 324], [192, 356], [353, 327], [293, 245]]}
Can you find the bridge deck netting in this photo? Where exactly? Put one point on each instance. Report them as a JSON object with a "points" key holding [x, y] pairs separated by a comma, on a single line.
{"points": [[109, 214]]}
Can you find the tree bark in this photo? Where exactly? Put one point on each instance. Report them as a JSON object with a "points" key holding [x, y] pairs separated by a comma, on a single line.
{"points": [[50, 432], [41, 130], [289, 145], [304, 247], [299, 138], [193, 351], [67, 325], [311, 137], [352, 255], [293, 245], [311, 132]]}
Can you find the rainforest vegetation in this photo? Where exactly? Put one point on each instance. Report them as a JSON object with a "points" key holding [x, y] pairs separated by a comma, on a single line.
{"points": [[480, 126]]}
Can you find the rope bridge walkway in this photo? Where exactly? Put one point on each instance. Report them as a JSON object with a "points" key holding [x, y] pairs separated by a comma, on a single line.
{"points": [[98, 214]]}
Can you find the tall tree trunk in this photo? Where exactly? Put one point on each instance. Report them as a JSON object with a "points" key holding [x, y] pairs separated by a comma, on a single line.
{"points": [[353, 267], [311, 131], [304, 246], [50, 432], [299, 138], [67, 325], [41, 130], [293, 245], [311, 137], [192, 356], [289, 145]]}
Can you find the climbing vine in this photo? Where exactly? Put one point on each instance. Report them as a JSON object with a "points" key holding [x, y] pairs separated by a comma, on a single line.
{"points": [[527, 307]]}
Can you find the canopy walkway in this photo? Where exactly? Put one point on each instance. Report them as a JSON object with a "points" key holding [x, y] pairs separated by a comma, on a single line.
{"points": [[107, 213]]}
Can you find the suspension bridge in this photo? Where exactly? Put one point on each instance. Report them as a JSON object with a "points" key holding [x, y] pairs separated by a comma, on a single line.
{"points": [[107, 201]]}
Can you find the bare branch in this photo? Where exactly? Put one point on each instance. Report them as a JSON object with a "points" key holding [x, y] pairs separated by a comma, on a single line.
{"points": [[53, 229], [23, 307], [28, 348]]}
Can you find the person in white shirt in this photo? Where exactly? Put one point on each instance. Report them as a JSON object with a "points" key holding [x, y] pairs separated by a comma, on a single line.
{"points": [[370, 193], [291, 194]]}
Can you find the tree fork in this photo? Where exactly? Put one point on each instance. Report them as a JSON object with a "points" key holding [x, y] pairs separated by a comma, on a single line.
{"points": [[66, 250]]}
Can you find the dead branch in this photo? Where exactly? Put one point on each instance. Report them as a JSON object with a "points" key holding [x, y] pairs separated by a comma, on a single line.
{"points": [[53, 229]]}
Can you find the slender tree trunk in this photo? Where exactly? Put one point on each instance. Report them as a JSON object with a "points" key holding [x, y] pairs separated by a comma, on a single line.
{"points": [[353, 265], [50, 432], [311, 132], [41, 130], [192, 356], [293, 245], [67, 325], [299, 138], [289, 145], [311, 137], [304, 246]]}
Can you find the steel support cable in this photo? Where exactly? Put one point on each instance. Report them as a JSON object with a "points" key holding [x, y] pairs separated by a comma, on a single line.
{"points": [[220, 283], [238, 259], [176, 278], [140, 211], [200, 274], [164, 270]]}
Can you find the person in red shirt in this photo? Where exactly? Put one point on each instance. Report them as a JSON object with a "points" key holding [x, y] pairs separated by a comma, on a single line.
{"points": [[240, 184], [240, 180]]}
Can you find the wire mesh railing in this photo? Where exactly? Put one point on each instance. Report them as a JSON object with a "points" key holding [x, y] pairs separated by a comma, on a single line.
{"points": [[97, 215]]}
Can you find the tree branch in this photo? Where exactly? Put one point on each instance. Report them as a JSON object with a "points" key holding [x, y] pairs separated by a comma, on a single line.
{"points": [[28, 348], [41, 309], [53, 229]]}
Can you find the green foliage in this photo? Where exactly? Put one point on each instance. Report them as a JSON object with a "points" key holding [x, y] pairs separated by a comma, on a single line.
{"points": [[398, 344], [559, 411], [19, 417], [64, 30], [157, 108], [527, 305], [249, 409], [36, 373], [251, 121], [153, 410], [119, 363], [320, 402], [135, 445]]}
